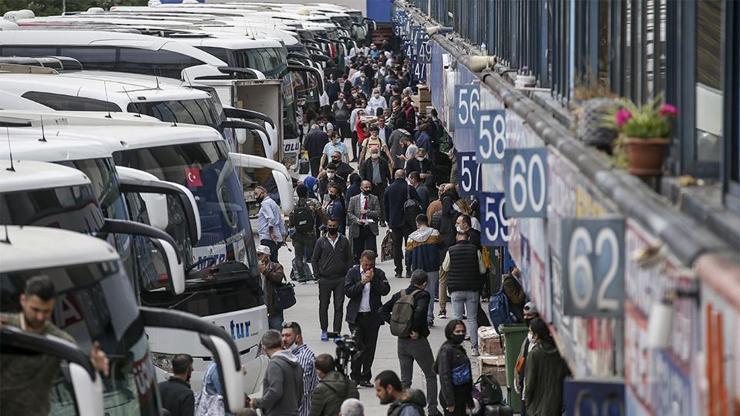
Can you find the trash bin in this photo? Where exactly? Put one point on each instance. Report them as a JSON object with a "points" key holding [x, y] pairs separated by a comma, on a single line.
{"points": [[514, 336]]}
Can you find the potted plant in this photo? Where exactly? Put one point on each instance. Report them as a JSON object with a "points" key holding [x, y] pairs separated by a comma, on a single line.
{"points": [[644, 134]]}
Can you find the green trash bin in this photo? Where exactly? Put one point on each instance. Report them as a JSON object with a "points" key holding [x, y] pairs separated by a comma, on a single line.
{"points": [[514, 336]]}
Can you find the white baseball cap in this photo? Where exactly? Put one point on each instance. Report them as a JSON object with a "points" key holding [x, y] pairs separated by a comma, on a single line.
{"points": [[262, 249]]}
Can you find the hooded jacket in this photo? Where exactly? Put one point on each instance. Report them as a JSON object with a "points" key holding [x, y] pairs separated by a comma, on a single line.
{"points": [[411, 398], [423, 244], [451, 355], [543, 380], [282, 387], [331, 392]]}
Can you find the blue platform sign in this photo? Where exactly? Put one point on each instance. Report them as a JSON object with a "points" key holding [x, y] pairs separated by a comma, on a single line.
{"points": [[493, 222], [469, 172], [491, 136], [592, 267], [525, 182], [467, 107], [594, 397]]}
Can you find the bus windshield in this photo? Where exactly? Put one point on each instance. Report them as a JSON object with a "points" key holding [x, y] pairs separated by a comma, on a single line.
{"points": [[95, 302], [201, 111], [206, 170], [69, 207]]}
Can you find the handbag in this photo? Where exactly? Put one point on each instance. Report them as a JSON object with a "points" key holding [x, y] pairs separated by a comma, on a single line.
{"points": [[386, 247], [285, 295], [461, 375]]}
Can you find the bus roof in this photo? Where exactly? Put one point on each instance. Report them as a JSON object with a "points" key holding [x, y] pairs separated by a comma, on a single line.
{"points": [[26, 145], [112, 89], [49, 247], [31, 174]]}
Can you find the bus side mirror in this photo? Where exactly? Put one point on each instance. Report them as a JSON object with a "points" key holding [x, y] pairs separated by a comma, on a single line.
{"points": [[87, 386], [279, 173], [215, 339], [175, 270]]}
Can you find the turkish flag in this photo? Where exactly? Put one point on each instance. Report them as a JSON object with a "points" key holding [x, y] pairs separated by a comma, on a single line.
{"points": [[192, 175]]}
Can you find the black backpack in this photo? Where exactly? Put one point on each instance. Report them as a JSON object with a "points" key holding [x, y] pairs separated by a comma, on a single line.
{"points": [[411, 208], [303, 218]]}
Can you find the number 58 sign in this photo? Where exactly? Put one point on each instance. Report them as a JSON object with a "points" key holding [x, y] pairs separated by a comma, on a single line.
{"points": [[593, 267]]}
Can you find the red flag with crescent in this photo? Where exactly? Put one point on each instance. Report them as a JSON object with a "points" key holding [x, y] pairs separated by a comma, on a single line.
{"points": [[192, 176]]}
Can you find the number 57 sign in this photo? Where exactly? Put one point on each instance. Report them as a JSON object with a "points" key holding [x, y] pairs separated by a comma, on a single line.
{"points": [[593, 267]]}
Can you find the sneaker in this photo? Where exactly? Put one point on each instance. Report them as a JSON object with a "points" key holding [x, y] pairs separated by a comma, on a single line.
{"points": [[436, 299], [399, 276], [430, 324], [474, 352], [442, 315], [324, 336], [365, 383]]}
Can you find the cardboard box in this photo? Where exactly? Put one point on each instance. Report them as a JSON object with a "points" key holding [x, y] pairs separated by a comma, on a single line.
{"points": [[494, 365], [489, 341], [424, 93]]}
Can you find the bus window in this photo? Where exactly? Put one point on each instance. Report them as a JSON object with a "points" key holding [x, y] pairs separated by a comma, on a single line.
{"points": [[29, 51], [62, 102], [161, 63], [99, 58]]}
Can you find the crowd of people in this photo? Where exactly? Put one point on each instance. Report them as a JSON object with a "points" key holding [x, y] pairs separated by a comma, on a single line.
{"points": [[374, 162]]}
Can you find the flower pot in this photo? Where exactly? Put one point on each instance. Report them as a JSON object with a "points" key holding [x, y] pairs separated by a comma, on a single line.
{"points": [[645, 156]]}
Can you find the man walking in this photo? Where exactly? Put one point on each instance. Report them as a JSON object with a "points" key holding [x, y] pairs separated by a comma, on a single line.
{"points": [[332, 257], [293, 341], [376, 171], [26, 380], [421, 189], [362, 216], [464, 266], [282, 386], [303, 222], [333, 388], [411, 327], [314, 144], [364, 286], [269, 222], [394, 199], [177, 397], [272, 275], [402, 402], [423, 247]]}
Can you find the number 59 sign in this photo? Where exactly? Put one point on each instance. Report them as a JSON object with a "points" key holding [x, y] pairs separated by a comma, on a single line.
{"points": [[593, 267], [494, 224]]}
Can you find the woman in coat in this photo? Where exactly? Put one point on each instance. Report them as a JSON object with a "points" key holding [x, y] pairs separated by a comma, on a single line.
{"points": [[455, 374], [544, 373]]}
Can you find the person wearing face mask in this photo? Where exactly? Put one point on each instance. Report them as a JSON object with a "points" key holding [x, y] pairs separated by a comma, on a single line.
{"points": [[293, 341], [420, 164], [376, 172], [334, 206], [332, 257], [363, 214], [384, 131], [375, 102], [544, 373], [335, 174], [335, 144], [530, 312], [341, 111], [409, 114], [463, 224], [270, 224], [314, 143], [397, 120], [373, 142], [455, 375]]}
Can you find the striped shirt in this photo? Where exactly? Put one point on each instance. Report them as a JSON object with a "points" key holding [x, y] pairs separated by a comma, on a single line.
{"points": [[306, 359]]}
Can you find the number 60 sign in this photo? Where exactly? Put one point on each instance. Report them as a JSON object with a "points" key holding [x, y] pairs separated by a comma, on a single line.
{"points": [[592, 267]]}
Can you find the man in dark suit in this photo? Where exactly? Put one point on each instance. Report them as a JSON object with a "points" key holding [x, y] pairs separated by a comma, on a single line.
{"points": [[363, 214], [177, 397], [364, 285], [377, 172], [395, 197]]}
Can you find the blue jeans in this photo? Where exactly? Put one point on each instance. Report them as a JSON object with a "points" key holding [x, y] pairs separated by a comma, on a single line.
{"points": [[433, 289], [275, 320], [467, 300]]}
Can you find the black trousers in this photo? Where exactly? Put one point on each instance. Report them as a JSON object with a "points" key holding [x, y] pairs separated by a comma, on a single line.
{"points": [[355, 147], [365, 241], [273, 249], [399, 234], [367, 335], [379, 191], [331, 289]]}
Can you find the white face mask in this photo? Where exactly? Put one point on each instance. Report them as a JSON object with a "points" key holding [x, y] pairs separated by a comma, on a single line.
{"points": [[330, 175], [530, 337], [459, 229], [375, 155], [419, 158]]}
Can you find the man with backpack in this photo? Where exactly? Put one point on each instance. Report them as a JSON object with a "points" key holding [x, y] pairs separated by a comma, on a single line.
{"points": [[401, 208], [303, 225], [402, 402], [406, 312]]}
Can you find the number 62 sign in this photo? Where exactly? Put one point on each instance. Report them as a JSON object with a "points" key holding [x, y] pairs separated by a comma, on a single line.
{"points": [[592, 267]]}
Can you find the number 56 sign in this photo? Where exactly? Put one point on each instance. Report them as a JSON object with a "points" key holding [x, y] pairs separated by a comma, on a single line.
{"points": [[593, 267]]}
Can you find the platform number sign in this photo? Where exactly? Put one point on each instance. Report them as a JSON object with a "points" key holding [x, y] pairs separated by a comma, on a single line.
{"points": [[494, 222], [423, 47], [467, 103], [469, 172], [525, 182], [492, 136], [593, 267]]}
